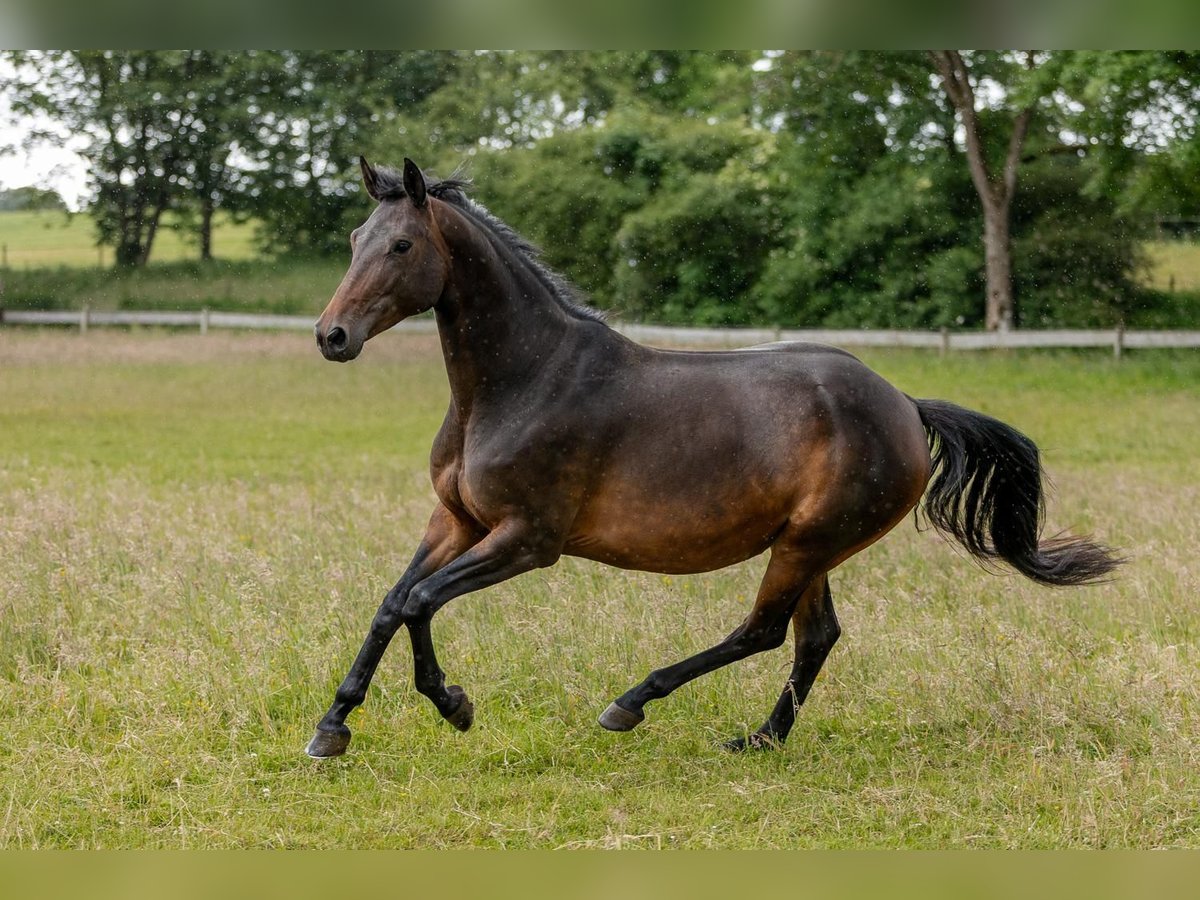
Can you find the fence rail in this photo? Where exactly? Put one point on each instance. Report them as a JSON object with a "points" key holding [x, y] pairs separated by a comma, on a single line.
{"points": [[1118, 339]]}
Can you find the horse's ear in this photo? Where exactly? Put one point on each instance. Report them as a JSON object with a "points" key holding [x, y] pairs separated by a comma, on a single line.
{"points": [[370, 177], [414, 183]]}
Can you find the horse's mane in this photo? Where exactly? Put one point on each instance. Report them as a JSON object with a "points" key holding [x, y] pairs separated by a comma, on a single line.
{"points": [[453, 190]]}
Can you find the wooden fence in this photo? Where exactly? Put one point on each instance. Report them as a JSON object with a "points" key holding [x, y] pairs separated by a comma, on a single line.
{"points": [[1117, 339]]}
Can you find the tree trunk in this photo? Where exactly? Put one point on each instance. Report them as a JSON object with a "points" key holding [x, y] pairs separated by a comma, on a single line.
{"points": [[152, 230], [995, 191], [128, 253], [206, 220], [997, 250]]}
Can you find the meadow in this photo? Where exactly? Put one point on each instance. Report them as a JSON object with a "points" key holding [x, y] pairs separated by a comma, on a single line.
{"points": [[38, 239], [197, 531], [52, 263]]}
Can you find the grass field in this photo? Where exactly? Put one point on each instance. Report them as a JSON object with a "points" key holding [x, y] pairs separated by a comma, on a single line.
{"points": [[48, 239], [1174, 265], [53, 264], [267, 286], [196, 533]]}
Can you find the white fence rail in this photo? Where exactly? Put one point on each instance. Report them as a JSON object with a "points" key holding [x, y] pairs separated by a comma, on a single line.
{"points": [[1117, 339]]}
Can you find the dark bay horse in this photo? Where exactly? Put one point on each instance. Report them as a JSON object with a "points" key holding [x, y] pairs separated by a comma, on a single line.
{"points": [[564, 437]]}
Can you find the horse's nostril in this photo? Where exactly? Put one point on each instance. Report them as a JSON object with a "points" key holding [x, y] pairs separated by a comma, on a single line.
{"points": [[336, 338]]}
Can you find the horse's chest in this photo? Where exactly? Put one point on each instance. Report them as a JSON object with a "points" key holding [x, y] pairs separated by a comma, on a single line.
{"points": [[477, 482], [491, 480]]}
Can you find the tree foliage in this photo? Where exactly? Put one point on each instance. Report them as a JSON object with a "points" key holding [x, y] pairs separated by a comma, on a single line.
{"points": [[30, 198], [799, 188]]}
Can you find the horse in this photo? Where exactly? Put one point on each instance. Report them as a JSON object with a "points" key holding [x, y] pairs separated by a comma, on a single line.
{"points": [[564, 437]]}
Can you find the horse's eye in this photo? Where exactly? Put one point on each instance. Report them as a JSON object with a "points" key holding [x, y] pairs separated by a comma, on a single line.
{"points": [[401, 246]]}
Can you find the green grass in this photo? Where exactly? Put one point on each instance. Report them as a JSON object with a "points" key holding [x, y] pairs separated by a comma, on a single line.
{"points": [[1174, 265], [269, 286], [52, 264], [196, 532], [48, 239]]}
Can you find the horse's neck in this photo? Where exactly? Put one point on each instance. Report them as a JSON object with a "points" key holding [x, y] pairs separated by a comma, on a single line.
{"points": [[499, 328]]}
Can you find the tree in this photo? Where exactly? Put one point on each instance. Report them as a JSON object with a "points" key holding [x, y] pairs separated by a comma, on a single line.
{"points": [[994, 183], [835, 188], [219, 120], [882, 216], [311, 114], [273, 133], [30, 198], [143, 125], [1137, 117]]}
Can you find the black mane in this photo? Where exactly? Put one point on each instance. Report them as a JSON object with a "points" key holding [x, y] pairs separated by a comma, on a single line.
{"points": [[453, 190]]}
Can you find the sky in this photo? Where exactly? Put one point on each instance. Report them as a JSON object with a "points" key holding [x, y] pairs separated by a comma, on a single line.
{"points": [[46, 166]]}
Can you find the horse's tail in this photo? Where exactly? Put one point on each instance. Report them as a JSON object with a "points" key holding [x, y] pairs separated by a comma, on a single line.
{"points": [[986, 491]]}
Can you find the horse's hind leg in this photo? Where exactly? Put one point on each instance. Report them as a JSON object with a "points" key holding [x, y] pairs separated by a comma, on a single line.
{"points": [[787, 577], [816, 630]]}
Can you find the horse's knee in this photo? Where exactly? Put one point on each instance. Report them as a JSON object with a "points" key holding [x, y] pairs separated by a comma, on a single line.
{"points": [[766, 637], [419, 605], [539, 551], [825, 630], [386, 622], [830, 634]]}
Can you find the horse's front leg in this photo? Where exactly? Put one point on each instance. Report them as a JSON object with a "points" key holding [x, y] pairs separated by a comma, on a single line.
{"points": [[446, 538], [509, 550]]}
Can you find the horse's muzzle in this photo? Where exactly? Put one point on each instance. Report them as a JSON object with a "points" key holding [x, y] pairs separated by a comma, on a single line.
{"points": [[336, 344]]}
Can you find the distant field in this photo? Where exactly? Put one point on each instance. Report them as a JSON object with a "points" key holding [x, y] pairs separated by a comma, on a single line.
{"points": [[52, 264], [1174, 264], [36, 240], [196, 532], [300, 286]]}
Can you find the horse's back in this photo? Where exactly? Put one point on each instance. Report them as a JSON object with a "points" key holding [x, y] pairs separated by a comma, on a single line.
{"points": [[798, 347], [716, 453]]}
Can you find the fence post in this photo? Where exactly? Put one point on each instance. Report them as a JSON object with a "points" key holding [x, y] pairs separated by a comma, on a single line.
{"points": [[85, 316], [204, 320], [1119, 341], [944, 347]]}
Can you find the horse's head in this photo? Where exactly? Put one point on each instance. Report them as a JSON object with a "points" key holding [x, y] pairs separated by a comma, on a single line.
{"points": [[398, 264]]}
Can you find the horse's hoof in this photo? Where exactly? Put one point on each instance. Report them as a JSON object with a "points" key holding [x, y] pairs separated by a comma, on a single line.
{"points": [[755, 741], [464, 714], [327, 744], [617, 718]]}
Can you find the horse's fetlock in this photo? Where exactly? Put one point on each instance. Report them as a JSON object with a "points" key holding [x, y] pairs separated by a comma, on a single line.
{"points": [[656, 684], [427, 684]]}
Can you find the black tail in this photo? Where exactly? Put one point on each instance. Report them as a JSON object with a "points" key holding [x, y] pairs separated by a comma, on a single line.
{"points": [[986, 491]]}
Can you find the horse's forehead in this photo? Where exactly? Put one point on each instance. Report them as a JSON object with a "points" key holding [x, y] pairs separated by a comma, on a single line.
{"points": [[389, 214]]}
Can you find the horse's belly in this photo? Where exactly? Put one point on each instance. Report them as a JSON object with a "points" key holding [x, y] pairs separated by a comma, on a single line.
{"points": [[672, 538]]}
